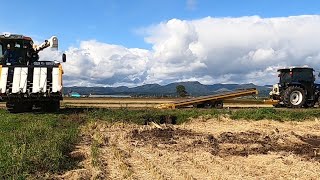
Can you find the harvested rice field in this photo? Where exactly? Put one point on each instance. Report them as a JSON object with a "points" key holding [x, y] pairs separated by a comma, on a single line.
{"points": [[202, 148]]}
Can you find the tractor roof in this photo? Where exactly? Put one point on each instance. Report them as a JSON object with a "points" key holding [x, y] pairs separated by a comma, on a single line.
{"points": [[296, 68]]}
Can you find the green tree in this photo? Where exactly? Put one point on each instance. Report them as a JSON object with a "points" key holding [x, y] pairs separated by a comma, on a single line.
{"points": [[181, 91]]}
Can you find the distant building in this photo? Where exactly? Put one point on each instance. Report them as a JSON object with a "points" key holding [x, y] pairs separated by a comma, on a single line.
{"points": [[106, 95], [75, 95]]}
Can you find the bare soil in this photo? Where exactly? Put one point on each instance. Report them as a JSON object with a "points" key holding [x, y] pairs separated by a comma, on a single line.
{"points": [[201, 149]]}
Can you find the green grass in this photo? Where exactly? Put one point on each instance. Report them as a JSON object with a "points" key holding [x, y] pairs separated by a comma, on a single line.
{"points": [[275, 114], [32, 144], [95, 151], [35, 143], [146, 115]]}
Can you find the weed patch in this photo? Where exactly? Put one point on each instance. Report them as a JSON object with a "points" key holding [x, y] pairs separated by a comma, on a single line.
{"points": [[275, 114], [35, 143]]}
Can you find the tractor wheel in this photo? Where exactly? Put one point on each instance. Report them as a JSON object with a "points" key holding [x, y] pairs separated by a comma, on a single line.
{"points": [[309, 104], [278, 105], [294, 97]]}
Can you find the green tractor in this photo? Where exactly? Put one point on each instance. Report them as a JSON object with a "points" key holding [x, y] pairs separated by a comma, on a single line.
{"points": [[296, 88]]}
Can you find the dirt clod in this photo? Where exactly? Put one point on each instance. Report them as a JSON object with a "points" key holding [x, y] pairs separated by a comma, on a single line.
{"points": [[227, 143]]}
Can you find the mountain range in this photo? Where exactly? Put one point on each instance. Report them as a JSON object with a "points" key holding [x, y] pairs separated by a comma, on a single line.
{"points": [[194, 88]]}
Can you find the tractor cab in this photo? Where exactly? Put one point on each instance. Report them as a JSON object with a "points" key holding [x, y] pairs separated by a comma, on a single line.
{"points": [[296, 75]]}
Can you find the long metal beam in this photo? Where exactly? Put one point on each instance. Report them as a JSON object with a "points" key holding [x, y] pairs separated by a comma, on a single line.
{"points": [[202, 99]]}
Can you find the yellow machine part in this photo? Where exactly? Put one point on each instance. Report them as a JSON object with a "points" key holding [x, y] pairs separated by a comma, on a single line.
{"points": [[0, 70], [165, 106], [271, 101], [60, 76]]}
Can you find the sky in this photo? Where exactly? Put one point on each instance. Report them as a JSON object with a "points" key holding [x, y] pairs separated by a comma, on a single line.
{"points": [[122, 42]]}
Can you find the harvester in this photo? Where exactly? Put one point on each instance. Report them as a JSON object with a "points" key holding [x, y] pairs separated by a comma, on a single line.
{"points": [[26, 82]]}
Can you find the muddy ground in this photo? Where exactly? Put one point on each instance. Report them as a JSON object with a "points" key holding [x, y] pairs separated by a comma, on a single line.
{"points": [[201, 149]]}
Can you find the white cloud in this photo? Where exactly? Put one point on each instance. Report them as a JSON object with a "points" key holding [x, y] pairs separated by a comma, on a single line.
{"points": [[100, 64], [210, 50]]}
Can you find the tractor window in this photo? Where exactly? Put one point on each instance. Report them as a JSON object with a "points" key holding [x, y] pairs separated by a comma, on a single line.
{"points": [[303, 75], [285, 77], [17, 45]]}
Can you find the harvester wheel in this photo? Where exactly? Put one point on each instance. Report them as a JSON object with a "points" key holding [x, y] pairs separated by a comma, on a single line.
{"points": [[27, 107], [198, 105], [52, 106], [10, 107], [208, 105], [14, 107], [218, 105], [294, 97]]}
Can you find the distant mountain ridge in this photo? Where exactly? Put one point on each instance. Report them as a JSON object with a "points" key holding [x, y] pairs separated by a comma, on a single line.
{"points": [[194, 88]]}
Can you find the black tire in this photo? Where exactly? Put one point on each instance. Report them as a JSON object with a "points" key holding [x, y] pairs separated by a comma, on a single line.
{"points": [[277, 105], [15, 107], [309, 104], [218, 104], [294, 97], [28, 107], [208, 105], [52, 106], [205, 105], [10, 107], [199, 106]]}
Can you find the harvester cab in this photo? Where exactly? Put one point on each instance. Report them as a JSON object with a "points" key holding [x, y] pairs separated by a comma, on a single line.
{"points": [[296, 88], [20, 50]]}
